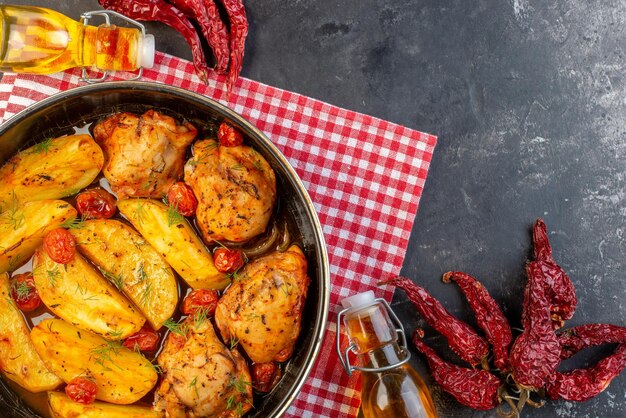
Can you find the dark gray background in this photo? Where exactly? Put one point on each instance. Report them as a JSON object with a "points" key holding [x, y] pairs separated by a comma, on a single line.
{"points": [[528, 99]]}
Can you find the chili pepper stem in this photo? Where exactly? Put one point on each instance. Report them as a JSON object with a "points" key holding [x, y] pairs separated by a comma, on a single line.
{"points": [[504, 395], [484, 363]]}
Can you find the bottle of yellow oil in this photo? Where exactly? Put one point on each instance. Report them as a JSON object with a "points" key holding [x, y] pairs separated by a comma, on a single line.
{"points": [[390, 387], [42, 41]]}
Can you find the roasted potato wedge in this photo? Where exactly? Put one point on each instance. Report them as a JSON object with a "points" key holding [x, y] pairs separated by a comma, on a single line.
{"points": [[79, 294], [18, 359], [172, 236], [22, 228], [123, 376], [63, 407], [52, 169], [132, 264]]}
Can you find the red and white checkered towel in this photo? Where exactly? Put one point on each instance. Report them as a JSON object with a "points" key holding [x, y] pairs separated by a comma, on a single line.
{"points": [[364, 175]]}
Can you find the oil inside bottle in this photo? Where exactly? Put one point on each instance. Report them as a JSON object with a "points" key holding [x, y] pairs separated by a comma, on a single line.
{"points": [[42, 41], [398, 392]]}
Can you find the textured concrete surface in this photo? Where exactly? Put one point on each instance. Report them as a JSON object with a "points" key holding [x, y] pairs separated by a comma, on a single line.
{"points": [[528, 99]]}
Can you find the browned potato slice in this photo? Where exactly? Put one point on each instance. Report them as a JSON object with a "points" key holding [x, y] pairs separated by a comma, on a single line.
{"points": [[132, 264], [79, 294], [22, 228], [63, 407], [18, 359], [172, 236], [52, 169], [123, 376]]}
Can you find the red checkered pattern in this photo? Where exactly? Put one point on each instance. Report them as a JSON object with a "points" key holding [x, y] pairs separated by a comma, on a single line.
{"points": [[364, 175]]}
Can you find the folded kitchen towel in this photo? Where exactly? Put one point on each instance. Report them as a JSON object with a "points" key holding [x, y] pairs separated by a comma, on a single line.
{"points": [[364, 175]]}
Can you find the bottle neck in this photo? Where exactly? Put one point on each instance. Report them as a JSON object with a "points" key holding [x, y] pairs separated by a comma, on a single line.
{"points": [[111, 47]]}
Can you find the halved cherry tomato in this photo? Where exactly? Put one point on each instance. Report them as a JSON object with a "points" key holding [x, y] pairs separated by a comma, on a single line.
{"points": [[227, 260], [265, 376], [146, 339], [181, 196], [229, 136], [60, 245], [24, 292], [200, 299], [81, 390], [96, 204]]}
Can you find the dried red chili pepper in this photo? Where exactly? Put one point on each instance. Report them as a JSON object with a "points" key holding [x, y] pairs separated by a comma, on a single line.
{"points": [[578, 338], [489, 316], [160, 11], [463, 340], [559, 288], [238, 32], [477, 389], [583, 384], [208, 17], [535, 354]]}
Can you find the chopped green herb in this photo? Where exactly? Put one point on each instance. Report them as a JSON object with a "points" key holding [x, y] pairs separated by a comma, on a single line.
{"points": [[103, 353], [21, 289], [146, 295], [176, 328], [13, 214], [74, 223], [43, 146], [200, 316], [194, 384], [237, 167], [53, 275], [140, 210], [174, 217], [258, 165], [141, 273], [118, 280], [234, 342]]}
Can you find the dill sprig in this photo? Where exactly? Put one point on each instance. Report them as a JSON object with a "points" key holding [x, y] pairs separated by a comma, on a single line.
{"points": [[174, 217], [103, 353], [21, 289], [53, 275], [74, 223], [141, 273], [234, 341], [43, 146], [118, 280], [146, 295], [13, 214], [237, 167], [176, 328], [194, 384], [139, 211], [200, 316], [257, 164]]}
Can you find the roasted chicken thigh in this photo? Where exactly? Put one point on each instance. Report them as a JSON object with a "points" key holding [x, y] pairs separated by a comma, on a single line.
{"points": [[145, 154], [235, 188], [201, 377], [262, 309]]}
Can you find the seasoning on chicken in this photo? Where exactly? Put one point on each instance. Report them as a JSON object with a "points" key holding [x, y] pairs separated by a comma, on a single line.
{"points": [[235, 188], [144, 155], [201, 376], [262, 309]]}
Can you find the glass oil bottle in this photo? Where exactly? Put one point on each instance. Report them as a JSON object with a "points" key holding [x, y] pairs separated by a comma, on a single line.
{"points": [[43, 41], [390, 387]]}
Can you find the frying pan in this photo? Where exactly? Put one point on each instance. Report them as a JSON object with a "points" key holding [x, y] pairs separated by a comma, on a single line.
{"points": [[59, 114]]}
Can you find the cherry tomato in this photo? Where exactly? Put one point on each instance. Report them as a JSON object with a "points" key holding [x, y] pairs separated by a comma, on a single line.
{"points": [[96, 204], [60, 245], [198, 299], [24, 292], [265, 376], [229, 136], [181, 196], [227, 260], [146, 339], [81, 390]]}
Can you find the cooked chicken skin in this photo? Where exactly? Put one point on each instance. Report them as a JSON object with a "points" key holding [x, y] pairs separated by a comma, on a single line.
{"points": [[262, 309], [202, 377], [143, 154], [235, 188]]}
